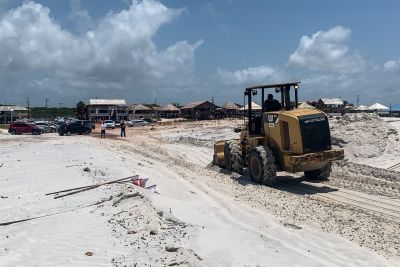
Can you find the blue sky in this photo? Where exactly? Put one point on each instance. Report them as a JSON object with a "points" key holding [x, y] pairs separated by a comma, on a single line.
{"points": [[182, 51]]}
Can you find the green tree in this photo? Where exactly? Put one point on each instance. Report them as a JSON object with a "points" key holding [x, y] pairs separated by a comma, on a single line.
{"points": [[80, 109]]}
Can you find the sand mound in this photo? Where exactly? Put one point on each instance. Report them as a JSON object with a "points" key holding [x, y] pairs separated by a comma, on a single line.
{"points": [[364, 136]]}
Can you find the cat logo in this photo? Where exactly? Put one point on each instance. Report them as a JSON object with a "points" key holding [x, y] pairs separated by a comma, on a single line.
{"points": [[271, 118]]}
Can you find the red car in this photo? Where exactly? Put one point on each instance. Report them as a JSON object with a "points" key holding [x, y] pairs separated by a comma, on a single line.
{"points": [[24, 127]]}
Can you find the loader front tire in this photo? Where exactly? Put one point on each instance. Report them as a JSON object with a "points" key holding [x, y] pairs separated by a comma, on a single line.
{"points": [[261, 165], [233, 156]]}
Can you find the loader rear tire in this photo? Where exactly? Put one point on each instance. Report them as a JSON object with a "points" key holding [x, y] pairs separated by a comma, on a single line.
{"points": [[319, 174], [262, 167], [233, 156]]}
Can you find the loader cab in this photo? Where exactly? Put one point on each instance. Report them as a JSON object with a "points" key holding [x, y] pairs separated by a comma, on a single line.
{"points": [[280, 102]]}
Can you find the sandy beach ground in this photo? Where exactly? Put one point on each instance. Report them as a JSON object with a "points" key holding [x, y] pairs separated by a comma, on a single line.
{"points": [[199, 216]]}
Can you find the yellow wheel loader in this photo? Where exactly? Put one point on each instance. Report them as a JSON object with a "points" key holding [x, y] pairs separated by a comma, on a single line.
{"points": [[279, 137]]}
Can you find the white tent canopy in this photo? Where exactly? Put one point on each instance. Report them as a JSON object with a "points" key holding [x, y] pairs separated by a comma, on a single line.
{"points": [[362, 108], [254, 106], [378, 106]]}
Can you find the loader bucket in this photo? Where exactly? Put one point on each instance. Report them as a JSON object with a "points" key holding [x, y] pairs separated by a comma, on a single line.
{"points": [[219, 153]]}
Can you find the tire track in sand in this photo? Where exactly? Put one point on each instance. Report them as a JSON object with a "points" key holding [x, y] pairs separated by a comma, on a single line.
{"points": [[375, 204]]}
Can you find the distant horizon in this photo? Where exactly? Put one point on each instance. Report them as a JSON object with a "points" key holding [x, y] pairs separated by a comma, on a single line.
{"points": [[183, 104]]}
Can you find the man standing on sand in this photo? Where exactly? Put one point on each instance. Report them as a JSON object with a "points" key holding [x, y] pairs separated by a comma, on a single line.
{"points": [[123, 128], [103, 130]]}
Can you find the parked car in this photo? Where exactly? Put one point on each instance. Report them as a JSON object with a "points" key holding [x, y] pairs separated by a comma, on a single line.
{"points": [[90, 124], [46, 127], [149, 120], [59, 123], [74, 128], [24, 127], [109, 124], [133, 123], [118, 124]]}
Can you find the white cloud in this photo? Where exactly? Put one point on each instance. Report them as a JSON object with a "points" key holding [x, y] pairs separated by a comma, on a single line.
{"points": [[119, 51], [327, 51], [392, 66], [257, 74]]}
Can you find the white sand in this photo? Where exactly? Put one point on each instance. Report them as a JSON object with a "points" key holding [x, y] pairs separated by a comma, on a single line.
{"points": [[367, 139], [196, 215]]}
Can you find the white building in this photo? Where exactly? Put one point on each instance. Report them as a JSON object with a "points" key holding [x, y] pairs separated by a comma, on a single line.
{"points": [[107, 109], [12, 113], [331, 105]]}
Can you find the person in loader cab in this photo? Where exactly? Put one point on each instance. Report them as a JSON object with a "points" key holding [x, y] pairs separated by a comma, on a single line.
{"points": [[272, 104]]}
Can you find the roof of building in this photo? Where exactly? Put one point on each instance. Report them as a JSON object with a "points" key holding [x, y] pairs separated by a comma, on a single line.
{"points": [[254, 106], [395, 107], [195, 104], [305, 105], [361, 108], [332, 101], [378, 106], [14, 108], [169, 107], [140, 107], [230, 105], [116, 102]]}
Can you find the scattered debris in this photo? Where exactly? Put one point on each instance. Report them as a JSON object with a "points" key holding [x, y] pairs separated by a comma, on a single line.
{"points": [[153, 232], [75, 165], [125, 196], [86, 169], [171, 249], [291, 225], [88, 187], [140, 182]]}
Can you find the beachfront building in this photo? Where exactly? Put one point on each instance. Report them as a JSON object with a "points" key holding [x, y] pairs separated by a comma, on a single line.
{"points": [[255, 109], [380, 109], [230, 109], [12, 113], [330, 105], [169, 111], [107, 109], [201, 110], [137, 111]]}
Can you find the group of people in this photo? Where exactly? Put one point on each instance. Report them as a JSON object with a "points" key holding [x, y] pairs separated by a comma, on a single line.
{"points": [[104, 128]]}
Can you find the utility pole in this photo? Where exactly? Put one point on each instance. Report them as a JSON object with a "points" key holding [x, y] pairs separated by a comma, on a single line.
{"points": [[47, 100], [28, 107], [155, 101], [60, 104], [212, 99], [358, 99]]}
